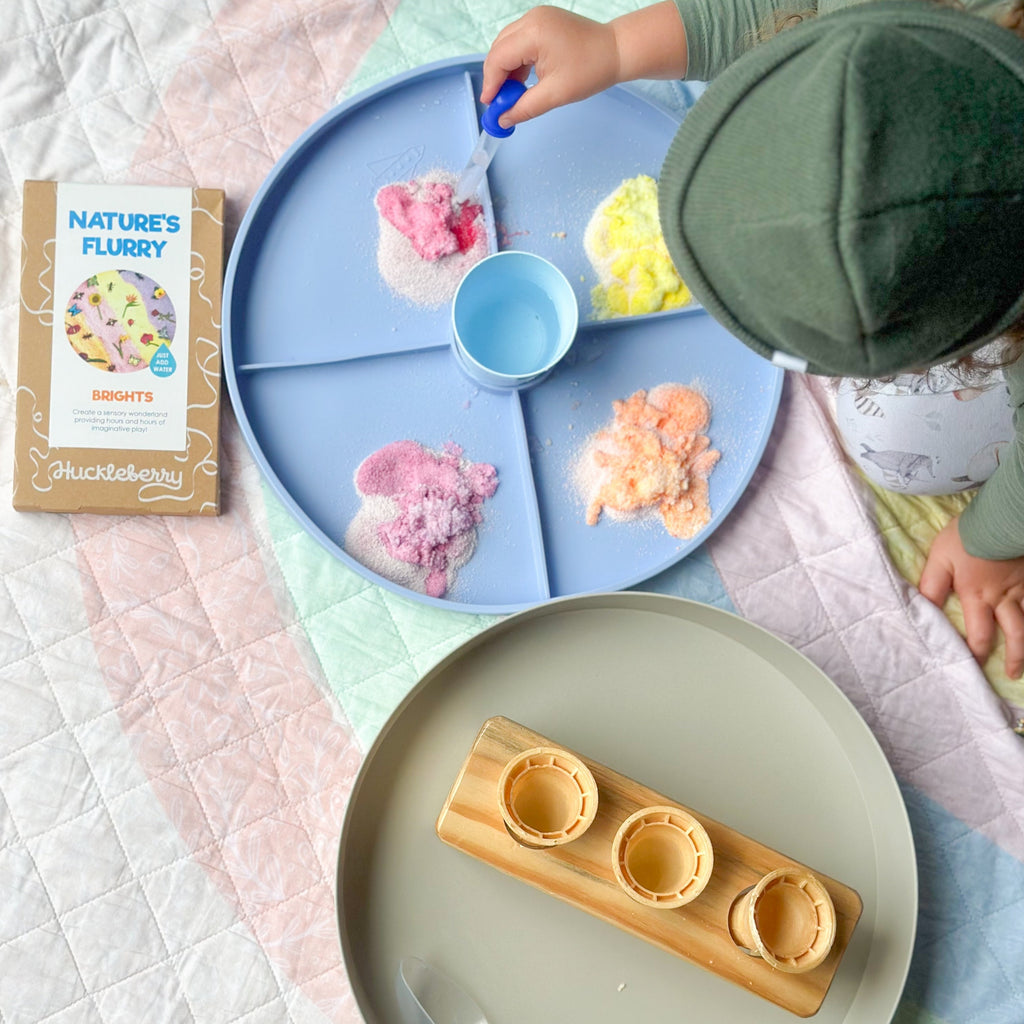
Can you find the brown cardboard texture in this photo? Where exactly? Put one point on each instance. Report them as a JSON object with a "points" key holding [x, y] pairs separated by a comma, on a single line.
{"points": [[119, 354]]}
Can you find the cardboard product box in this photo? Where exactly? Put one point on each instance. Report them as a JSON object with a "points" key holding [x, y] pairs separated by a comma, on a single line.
{"points": [[119, 357]]}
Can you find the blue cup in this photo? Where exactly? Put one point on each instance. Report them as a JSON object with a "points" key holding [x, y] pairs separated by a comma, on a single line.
{"points": [[514, 316]]}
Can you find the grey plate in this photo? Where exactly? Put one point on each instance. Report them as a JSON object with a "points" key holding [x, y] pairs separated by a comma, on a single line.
{"points": [[692, 701]]}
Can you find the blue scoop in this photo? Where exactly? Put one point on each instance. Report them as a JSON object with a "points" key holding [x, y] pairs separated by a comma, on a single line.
{"points": [[492, 134]]}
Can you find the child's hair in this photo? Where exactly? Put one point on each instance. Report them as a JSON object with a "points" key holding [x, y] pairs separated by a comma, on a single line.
{"points": [[1013, 17], [971, 365]]}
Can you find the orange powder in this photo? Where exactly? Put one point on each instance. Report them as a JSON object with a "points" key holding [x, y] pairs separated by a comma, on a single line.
{"points": [[653, 456]]}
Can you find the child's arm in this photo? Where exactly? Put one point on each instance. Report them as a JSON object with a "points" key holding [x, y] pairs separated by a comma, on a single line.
{"points": [[575, 57]]}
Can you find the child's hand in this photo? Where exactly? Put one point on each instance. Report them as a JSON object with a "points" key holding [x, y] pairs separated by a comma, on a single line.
{"points": [[990, 593], [575, 57]]}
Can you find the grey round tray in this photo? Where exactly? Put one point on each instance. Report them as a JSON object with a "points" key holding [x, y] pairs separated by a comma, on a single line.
{"points": [[690, 700]]}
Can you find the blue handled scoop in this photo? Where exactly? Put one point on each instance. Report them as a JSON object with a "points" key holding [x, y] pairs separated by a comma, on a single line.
{"points": [[492, 134]]}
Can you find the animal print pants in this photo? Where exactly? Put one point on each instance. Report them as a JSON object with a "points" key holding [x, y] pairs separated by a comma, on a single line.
{"points": [[925, 433]]}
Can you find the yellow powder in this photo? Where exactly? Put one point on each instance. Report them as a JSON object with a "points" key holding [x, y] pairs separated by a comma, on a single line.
{"points": [[625, 246]]}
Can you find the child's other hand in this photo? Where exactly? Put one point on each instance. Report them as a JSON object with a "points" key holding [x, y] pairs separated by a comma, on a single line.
{"points": [[575, 57], [990, 594]]}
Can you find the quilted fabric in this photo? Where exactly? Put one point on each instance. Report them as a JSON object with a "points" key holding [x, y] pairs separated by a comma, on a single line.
{"points": [[185, 703]]}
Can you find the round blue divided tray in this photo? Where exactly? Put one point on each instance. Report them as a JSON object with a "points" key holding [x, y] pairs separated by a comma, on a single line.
{"points": [[325, 364]]}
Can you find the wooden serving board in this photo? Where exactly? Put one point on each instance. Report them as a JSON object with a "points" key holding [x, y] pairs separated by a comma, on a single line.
{"points": [[581, 871]]}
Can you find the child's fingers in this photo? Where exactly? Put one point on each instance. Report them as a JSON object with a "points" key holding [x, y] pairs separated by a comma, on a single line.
{"points": [[496, 76], [980, 626], [537, 100], [936, 581], [1010, 617], [511, 55]]}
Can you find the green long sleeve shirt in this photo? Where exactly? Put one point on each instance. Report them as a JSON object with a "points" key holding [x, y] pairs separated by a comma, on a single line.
{"points": [[719, 31], [992, 525]]}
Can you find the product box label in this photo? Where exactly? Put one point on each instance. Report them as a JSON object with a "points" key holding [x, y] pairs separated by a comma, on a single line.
{"points": [[119, 349]]}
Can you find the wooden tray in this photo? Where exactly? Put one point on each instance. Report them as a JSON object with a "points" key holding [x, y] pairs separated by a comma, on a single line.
{"points": [[581, 872]]}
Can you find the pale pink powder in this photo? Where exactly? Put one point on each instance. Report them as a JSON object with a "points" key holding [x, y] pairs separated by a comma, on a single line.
{"points": [[417, 525]]}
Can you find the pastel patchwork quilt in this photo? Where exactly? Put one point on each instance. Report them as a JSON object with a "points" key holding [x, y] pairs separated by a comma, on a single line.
{"points": [[185, 702]]}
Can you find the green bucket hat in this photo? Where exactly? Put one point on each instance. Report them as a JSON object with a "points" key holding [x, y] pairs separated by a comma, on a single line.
{"points": [[850, 193]]}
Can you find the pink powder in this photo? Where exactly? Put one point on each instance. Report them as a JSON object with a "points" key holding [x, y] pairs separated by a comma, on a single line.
{"points": [[423, 212], [417, 525], [427, 241]]}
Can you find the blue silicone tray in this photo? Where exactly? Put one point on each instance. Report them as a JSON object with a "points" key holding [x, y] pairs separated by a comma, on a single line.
{"points": [[325, 365]]}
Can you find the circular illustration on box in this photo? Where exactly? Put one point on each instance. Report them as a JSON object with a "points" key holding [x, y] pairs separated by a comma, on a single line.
{"points": [[120, 321]]}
